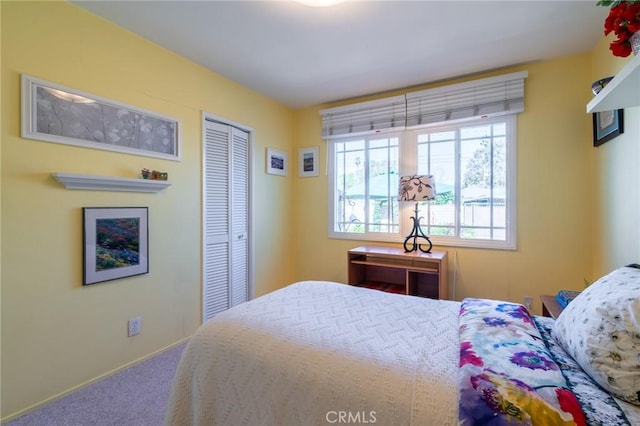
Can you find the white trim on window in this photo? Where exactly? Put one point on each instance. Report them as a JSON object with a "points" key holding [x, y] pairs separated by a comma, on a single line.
{"points": [[408, 164], [458, 106]]}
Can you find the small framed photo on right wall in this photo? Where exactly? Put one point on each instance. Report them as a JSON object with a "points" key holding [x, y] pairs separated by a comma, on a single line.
{"points": [[308, 162], [607, 125]]}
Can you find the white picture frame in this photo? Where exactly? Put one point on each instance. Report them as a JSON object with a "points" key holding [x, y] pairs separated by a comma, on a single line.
{"points": [[308, 161], [277, 163], [55, 113], [116, 243]]}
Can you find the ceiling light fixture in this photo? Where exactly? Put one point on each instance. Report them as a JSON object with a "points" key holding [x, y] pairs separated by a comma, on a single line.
{"points": [[319, 3]]}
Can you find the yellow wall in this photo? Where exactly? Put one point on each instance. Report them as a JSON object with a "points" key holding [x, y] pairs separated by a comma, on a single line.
{"points": [[616, 201], [554, 192], [57, 334]]}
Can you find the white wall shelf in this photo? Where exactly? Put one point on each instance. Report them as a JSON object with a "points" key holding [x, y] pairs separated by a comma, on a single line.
{"points": [[107, 183], [621, 92]]}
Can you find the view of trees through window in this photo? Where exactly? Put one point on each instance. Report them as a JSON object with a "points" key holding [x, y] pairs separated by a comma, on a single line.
{"points": [[470, 167], [367, 185]]}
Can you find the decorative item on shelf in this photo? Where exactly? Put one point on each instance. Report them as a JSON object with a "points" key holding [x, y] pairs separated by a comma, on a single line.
{"points": [[154, 175], [624, 22], [598, 85], [635, 42], [416, 188]]}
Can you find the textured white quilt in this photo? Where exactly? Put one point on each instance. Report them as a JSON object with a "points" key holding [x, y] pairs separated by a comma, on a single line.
{"points": [[317, 353]]}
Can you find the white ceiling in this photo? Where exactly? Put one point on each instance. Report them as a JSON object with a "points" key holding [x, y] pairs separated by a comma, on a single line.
{"points": [[303, 56]]}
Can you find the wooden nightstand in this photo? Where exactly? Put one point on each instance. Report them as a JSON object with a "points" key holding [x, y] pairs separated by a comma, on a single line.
{"points": [[550, 306]]}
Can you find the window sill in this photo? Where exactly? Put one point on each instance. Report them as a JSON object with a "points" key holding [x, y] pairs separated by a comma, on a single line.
{"points": [[435, 240]]}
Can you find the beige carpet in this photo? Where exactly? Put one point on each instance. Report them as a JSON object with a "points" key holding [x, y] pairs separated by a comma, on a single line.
{"points": [[136, 396]]}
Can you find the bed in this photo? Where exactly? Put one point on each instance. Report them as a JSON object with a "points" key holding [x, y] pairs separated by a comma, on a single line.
{"points": [[318, 353]]}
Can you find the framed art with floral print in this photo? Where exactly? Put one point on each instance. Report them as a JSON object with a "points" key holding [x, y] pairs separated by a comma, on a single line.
{"points": [[54, 113], [607, 125], [116, 243]]}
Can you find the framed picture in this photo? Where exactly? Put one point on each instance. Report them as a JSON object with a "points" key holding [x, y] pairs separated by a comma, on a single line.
{"points": [[276, 162], [54, 113], [308, 162], [116, 243], [607, 125]]}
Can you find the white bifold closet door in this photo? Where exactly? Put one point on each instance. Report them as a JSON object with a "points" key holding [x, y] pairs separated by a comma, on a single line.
{"points": [[226, 218]]}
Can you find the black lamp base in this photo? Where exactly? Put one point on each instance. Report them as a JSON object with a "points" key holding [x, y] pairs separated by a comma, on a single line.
{"points": [[416, 234]]}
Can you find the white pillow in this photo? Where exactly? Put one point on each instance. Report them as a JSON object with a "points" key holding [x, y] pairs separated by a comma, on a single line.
{"points": [[600, 329]]}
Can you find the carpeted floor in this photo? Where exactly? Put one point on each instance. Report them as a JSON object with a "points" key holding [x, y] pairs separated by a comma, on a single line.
{"points": [[136, 396]]}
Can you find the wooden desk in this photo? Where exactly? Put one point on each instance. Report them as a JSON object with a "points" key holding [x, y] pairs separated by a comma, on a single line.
{"points": [[390, 268], [550, 306]]}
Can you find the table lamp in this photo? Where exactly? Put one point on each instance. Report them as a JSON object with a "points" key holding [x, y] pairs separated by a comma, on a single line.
{"points": [[416, 188]]}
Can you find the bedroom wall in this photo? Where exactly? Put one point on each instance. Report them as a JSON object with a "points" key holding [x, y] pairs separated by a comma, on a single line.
{"points": [[616, 200], [57, 334], [554, 241]]}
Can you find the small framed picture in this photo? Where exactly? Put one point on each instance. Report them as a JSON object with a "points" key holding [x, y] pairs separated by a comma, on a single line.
{"points": [[276, 162], [607, 125], [308, 162], [116, 243]]}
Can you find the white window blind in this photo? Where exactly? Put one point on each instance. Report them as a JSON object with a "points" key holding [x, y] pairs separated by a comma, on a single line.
{"points": [[486, 97], [364, 117]]}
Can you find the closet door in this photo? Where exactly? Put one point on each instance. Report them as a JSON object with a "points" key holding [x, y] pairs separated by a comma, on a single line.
{"points": [[240, 217], [226, 217]]}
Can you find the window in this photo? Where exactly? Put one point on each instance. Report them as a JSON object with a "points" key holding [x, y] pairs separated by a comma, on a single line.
{"points": [[463, 134], [366, 185], [472, 162]]}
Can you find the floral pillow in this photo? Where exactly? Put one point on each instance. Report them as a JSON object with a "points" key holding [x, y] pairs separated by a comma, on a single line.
{"points": [[600, 329], [507, 375]]}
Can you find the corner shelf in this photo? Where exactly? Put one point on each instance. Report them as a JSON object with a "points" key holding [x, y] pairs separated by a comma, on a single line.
{"points": [[106, 183], [621, 92]]}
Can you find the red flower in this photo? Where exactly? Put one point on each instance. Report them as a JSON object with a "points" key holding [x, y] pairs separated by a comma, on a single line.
{"points": [[614, 21], [623, 21], [620, 47], [632, 17]]}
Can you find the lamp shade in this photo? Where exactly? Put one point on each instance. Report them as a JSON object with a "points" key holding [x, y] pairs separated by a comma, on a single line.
{"points": [[417, 188]]}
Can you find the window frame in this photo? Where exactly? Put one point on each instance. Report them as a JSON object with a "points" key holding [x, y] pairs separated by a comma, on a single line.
{"points": [[407, 162], [366, 236]]}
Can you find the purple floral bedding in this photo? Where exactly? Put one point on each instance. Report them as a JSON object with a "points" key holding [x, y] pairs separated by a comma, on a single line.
{"points": [[507, 375]]}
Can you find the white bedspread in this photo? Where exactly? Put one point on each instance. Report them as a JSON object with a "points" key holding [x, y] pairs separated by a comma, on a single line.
{"points": [[317, 353]]}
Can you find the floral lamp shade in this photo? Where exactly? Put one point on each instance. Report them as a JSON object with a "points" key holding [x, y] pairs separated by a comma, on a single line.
{"points": [[417, 188]]}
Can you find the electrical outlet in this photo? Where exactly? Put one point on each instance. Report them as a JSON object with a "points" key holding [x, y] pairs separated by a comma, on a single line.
{"points": [[528, 302], [134, 326]]}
